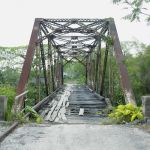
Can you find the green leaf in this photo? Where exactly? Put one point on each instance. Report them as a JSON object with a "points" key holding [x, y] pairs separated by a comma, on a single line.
{"points": [[127, 112], [116, 1], [30, 109], [98, 113], [121, 107], [112, 115], [133, 117], [140, 116], [130, 106], [39, 120], [118, 114]]}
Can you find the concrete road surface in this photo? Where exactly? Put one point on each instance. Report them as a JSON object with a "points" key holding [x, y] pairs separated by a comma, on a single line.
{"points": [[76, 137]]}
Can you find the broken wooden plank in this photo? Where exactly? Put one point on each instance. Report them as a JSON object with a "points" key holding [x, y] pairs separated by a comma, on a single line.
{"points": [[81, 112], [51, 111]]}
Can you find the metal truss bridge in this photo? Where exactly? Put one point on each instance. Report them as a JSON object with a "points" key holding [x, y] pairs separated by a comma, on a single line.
{"points": [[56, 42], [53, 44]]}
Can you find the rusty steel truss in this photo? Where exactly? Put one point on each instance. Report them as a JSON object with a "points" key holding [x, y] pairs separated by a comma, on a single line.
{"points": [[66, 40]]}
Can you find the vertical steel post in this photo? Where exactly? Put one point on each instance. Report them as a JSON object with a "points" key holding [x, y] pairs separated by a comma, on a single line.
{"points": [[100, 71], [90, 72], [58, 70], [44, 67], [97, 65], [126, 85], [52, 66], [62, 71], [93, 73], [28, 61], [50, 53], [86, 71], [104, 69], [52, 70], [49, 67], [38, 68], [111, 74]]}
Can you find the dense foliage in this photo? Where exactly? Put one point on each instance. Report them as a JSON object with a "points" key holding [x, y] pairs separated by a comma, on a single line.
{"points": [[137, 64], [11, 59], [74, 73], [138, 67], [10, 93], [34, 114], [126, 113]]}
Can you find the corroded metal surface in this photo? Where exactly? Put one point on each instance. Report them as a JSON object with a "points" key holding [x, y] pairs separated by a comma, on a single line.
{"points": [[126, 85], [28, 62]]}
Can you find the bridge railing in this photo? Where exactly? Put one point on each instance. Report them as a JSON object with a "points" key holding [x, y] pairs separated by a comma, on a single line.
{"points": [[17, 98]]}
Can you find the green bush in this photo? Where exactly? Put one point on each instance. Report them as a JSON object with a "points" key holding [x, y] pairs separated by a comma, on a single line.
{"points": [[34, 114], [126, 113], [10, 93]]}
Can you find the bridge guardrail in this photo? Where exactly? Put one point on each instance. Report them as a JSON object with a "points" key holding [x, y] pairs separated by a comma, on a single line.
{"points": [[19, 97]]}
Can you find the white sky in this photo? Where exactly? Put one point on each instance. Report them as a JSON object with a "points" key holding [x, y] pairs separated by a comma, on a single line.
{"points": [[17, 18]]}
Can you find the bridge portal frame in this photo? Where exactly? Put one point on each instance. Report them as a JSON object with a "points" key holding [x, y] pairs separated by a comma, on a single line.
{"points": [[40, 32]]}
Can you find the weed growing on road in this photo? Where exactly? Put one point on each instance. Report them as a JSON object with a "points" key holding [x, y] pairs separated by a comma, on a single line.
{"points": [[34, 114]]}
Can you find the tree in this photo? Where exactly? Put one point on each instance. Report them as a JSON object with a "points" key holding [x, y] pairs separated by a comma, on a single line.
{"points": [[138, 67], [11, 60], [74, 72], [137, 8]]}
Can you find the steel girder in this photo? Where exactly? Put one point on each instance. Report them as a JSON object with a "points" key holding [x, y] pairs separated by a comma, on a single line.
{"points": [[126, 85], [28, 62]]}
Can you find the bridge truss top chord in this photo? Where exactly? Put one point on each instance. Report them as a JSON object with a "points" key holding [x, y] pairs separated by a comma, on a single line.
{"points": [[73, 37]]}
